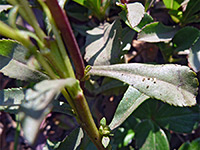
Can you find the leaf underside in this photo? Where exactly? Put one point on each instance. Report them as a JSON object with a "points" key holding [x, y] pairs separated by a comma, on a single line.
{"points": [[173, 84]]}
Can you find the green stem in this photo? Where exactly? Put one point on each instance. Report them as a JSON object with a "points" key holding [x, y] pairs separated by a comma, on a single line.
{"points": [[69, 70], [85, 118], [27, 13], [64, 26], [23, 38], [17, 133]]}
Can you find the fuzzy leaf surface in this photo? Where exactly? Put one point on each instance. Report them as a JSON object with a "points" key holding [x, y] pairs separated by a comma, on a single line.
{"points": [[38, 105], [13, 62], [174, 84], [135, 13], [130, 101], [156, 32]]}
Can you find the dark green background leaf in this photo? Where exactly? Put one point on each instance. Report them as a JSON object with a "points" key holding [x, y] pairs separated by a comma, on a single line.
{"points": [[185, 37], [149, 136], [194, 56]]}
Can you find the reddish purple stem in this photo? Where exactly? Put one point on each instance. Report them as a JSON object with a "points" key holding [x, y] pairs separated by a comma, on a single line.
{"points": [[64, 26]]}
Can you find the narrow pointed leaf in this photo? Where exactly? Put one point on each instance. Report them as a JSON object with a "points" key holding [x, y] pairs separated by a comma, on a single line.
{"points": [[173, 84], [38, 105], [156, 32], [130, 101], [13, 62]]}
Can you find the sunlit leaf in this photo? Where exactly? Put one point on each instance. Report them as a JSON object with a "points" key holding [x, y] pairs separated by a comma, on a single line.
{"points": [[13, 62], [156, 32], [135, 13], [194, 145], [38, 105], [104, 45], [5, 7], [11, 99], [171, 83], [173, 4], [130, 101]]}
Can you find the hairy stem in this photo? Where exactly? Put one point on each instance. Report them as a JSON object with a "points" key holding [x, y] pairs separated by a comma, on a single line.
{"points": [[64, 26]]}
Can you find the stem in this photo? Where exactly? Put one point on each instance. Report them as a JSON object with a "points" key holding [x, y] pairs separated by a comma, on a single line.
{"points": [[86, 120], [23, 38], [84, 116], [68, 70], [64, 26], [17, 133], [31, 18]]}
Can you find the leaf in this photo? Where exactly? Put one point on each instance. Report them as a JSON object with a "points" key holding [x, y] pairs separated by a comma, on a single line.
{"points": [[145, 20], [111, 87], [103, 44], [173, 4], [194, 56], [129, 137], [178, 119], [190, 35], [105, 141], [62, 3], [173, 84], [38, 105], [11, 99], [130, 101], [72, 141], [5, 7], [156, 32], [194, 145], [192, 8], [149, 136], [135, 13], [13, 62]]}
